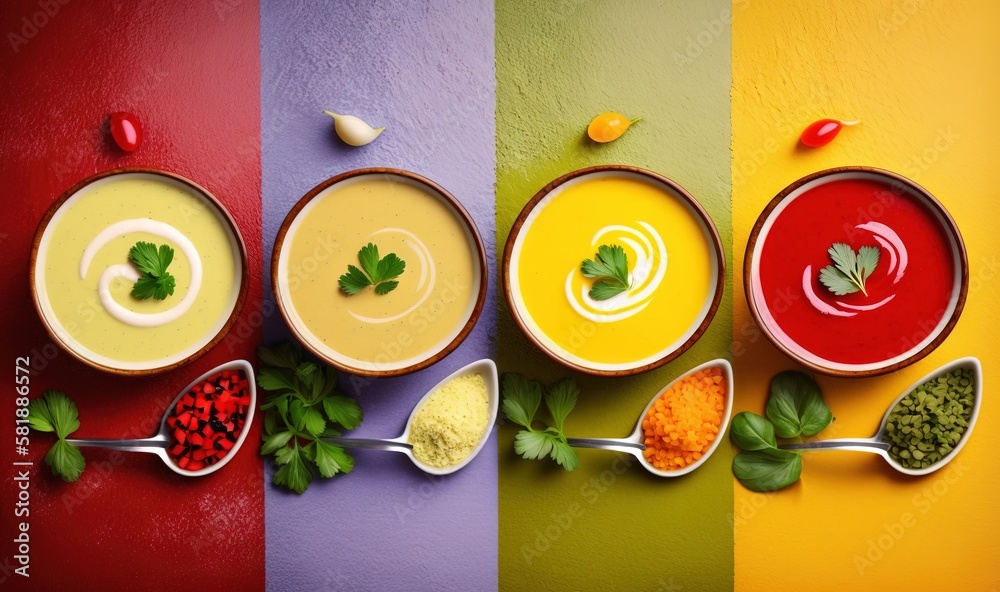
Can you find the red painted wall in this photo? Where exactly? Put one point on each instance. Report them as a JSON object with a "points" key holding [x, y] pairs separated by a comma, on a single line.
{"points": [[191, 73]]}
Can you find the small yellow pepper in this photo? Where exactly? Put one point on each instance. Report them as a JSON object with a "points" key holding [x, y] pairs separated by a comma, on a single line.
{"points": [[609, 126]]}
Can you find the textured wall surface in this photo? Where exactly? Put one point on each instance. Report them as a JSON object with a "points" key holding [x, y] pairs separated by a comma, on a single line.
{"points": [[922, 77], [607, 525], [191, 74], [491, 100], [425, 71]]}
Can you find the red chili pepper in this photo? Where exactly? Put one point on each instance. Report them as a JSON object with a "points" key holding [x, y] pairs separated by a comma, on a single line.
{"points": [[822, 132], [126, 131]]}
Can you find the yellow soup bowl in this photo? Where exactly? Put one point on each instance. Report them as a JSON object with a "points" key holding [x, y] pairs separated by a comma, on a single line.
{"points": [[439, 295], [676, 270]]}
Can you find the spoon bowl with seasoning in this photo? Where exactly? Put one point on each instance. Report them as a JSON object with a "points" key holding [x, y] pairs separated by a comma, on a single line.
{"points": [[636, 443], [944, 399], [203, 427], [418, 436]]}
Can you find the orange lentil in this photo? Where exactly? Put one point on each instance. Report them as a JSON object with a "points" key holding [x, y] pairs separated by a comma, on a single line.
{"points": [[682, 424]]}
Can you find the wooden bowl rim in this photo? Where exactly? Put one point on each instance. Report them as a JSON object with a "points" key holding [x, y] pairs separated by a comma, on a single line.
{"points": [[464, 216], [715, 239], [893, 180], [224, 214]]}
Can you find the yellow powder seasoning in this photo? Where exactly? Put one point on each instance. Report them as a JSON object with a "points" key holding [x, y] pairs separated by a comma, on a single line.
{"points": [[450, 423]]}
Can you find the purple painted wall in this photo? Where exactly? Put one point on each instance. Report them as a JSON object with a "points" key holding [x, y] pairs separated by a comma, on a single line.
{"points": [[425, 70]]}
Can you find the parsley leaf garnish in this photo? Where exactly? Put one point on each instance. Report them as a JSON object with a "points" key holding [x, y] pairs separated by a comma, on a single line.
{"points": [[610, 266], [521, 398], [377, 272], [152, 263], [55, 412], [851, 271], [302, 407]]}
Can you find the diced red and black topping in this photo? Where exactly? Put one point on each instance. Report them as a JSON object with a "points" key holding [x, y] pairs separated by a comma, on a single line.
{"points": [[208, 419]]}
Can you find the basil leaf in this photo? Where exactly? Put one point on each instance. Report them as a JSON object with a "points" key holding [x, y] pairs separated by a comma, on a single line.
{"points": [[767, 470], [752, 432], [796, 405]]}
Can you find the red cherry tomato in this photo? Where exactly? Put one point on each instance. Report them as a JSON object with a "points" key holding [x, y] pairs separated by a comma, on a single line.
{"points": [[822, 132], [126, 130]]}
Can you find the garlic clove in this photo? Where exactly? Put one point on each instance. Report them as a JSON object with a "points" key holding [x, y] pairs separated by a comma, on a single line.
{"points": [[353, 130]]}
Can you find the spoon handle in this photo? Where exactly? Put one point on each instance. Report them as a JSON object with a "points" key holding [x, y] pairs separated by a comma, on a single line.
{"points": [[370, 444], [607, 443], [866, 444], [137, 445]]}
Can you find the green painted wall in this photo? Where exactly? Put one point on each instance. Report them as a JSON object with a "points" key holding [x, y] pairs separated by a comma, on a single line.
{"points": [[611, 525]]}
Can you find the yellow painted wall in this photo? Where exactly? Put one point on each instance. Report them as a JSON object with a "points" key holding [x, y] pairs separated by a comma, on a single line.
{"points": [[923, 78]]}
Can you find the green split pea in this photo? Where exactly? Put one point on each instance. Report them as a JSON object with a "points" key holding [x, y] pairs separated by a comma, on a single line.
{"points": [[927, 424]]}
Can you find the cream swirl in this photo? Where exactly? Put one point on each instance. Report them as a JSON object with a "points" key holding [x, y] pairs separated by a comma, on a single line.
{"points": [[129, 272], [898, 260], [647, 274], [428, 275]]}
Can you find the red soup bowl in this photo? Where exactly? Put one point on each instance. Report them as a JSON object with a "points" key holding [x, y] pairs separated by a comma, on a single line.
{"points": [[855, 271]]}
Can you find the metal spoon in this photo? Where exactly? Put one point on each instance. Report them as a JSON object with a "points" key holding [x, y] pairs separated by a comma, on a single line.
{"points": [[633, 444], [877, 444], [402, 444], [158, 444]]}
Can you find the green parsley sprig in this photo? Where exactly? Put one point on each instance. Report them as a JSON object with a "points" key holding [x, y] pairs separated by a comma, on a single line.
{"points": [[55, 412], [154, 281], [850, 269], [521, 398], [303, 406], [381, 273], [610, 267]]}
